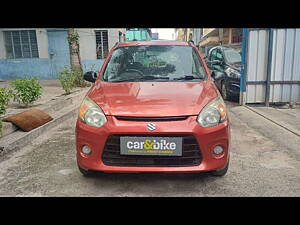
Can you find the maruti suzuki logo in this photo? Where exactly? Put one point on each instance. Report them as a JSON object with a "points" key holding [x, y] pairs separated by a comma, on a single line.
{"points": [[151, 126]]}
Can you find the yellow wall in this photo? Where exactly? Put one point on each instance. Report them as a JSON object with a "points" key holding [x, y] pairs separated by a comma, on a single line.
{"points": [[180, 34]]}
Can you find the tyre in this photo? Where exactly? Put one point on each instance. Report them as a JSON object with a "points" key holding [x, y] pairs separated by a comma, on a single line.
{"points": [[85, 172], [224, 91], [220, 172]]}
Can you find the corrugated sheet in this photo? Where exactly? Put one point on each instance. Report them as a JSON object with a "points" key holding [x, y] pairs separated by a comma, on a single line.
{"points": [[257, 65], [285, 65]]}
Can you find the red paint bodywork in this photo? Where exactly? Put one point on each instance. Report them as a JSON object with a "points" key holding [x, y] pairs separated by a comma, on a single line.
{"points": [[153, 99]]}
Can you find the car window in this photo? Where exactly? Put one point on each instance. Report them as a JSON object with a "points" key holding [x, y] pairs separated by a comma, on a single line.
{"points": [[136, 63], [213, 54], [219, 55], [232, 56]]}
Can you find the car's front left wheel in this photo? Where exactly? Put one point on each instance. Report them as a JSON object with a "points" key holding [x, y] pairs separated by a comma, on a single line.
{"points": [[85, 172], [224, 91], [220, 172]]}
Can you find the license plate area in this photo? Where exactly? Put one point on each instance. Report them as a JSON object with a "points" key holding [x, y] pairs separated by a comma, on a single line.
{"points": [[158, 146]]}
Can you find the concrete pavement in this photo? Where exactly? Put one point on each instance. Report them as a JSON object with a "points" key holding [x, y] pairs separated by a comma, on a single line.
{"points": [[262, 164]]}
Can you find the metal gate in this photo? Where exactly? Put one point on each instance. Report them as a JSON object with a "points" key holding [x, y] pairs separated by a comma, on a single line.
{"points": [[270, 66]]}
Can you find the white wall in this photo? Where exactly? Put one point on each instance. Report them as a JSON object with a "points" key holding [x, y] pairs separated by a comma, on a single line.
{"points": [[113, 36], [87, 41], [165, 33], [42, 41], [87, 44]]}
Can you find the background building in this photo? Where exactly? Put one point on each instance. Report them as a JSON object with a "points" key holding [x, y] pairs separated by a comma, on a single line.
{"points": [[44, 52], [220, 36], [155, 36], [196, 35], [183, 34], [138, 34], [164, 33]]}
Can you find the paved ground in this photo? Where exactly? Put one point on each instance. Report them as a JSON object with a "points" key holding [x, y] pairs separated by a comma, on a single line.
{"points": [[261, 165]]}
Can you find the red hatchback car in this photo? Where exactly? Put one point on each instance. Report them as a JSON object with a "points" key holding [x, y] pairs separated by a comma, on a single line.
{"points": [[153, 107]]}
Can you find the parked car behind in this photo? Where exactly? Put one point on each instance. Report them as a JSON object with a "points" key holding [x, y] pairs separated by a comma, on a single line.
{"points": [[153, 107], [225, 65]]}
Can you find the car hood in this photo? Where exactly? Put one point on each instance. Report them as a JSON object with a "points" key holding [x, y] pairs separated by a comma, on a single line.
{"points": [[149, 99], [235, 66]]}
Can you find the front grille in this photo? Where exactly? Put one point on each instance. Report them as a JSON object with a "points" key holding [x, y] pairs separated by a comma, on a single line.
{"points": [[191, 155], [164, 118]]}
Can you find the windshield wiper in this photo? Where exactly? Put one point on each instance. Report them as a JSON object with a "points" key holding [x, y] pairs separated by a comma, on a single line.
{"points": [[137, 79], [188, 77], [124, 80], [153, 77]]}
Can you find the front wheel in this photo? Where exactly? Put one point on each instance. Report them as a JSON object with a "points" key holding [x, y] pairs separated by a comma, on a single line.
{"points": [[85, 172], [224, 91], [220, 172]]}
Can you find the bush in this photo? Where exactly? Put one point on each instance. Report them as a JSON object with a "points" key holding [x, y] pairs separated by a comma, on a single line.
{"points": [[27, 90], [78, 74], [5, 96], [67, 79], [71, 78]]}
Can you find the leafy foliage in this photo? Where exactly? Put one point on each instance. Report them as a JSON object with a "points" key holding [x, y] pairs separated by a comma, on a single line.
{"points": [[27, 90], [67, 79], [78, 74], [71, 78], [5, 96], [73, 38]]}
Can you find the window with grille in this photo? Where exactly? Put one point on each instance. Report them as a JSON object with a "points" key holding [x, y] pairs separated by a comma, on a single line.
{"points": [[21, 44], [101, 43]]}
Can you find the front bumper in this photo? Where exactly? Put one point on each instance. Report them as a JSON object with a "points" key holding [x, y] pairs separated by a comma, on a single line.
{"points": [[233, 86], [207, 138]]}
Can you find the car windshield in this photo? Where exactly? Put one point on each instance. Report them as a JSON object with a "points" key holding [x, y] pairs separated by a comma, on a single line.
{"points": [[152, 62], [232, 56]]}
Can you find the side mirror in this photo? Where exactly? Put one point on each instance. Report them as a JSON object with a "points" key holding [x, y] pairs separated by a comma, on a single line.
{"points": [[90, 76]]}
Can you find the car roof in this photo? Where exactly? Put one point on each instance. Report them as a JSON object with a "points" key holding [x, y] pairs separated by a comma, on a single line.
{"points": [[223, 47], [153, 42]]}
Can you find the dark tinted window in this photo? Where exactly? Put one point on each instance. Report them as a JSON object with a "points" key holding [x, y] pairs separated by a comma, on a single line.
{"points": [[232, 56], [219, 55]]}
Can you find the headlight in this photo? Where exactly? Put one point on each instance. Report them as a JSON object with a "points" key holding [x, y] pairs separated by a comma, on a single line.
{"points": [[233, 73], [213, 113], [91, 114]]}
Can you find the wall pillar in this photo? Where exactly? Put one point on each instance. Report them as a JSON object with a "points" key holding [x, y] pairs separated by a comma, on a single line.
{"points": [[230, 36]]}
